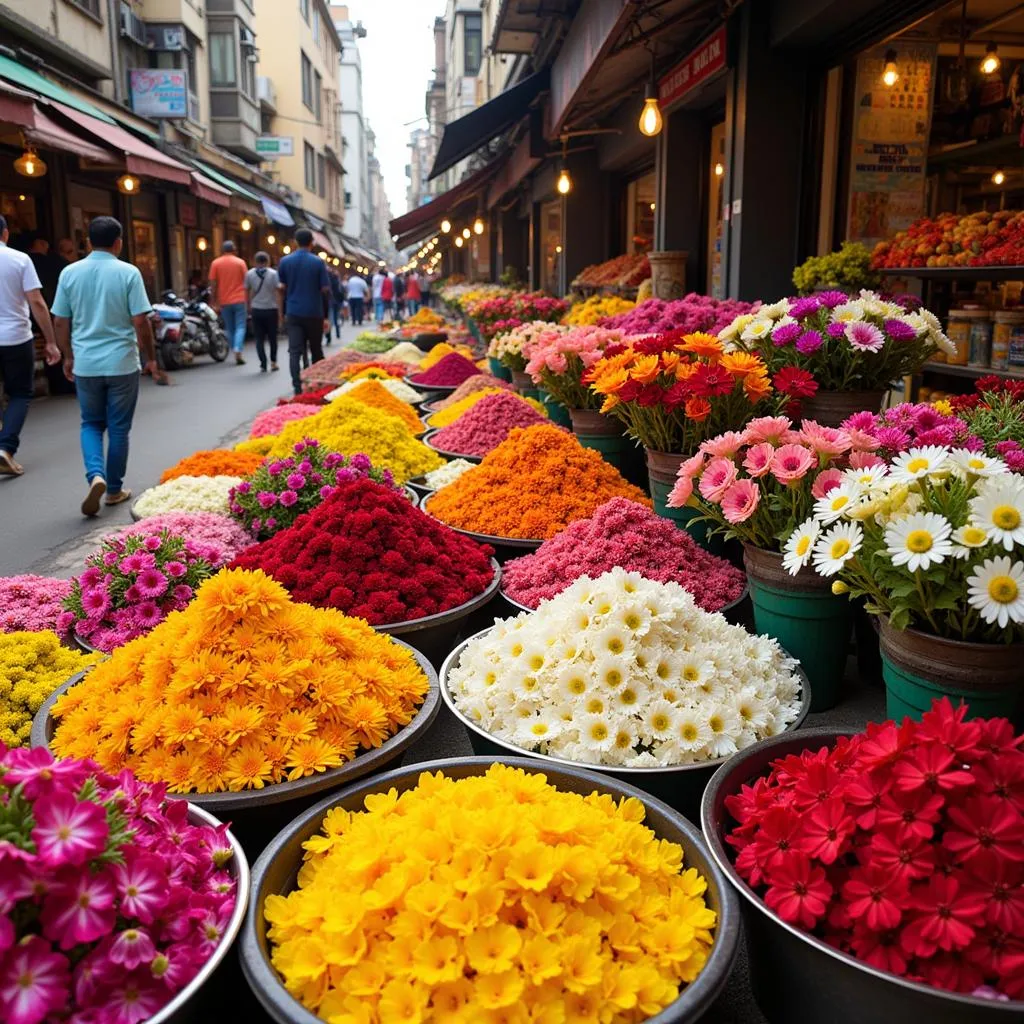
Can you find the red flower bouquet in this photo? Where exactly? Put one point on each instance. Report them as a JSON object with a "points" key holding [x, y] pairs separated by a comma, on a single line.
{"points": [[902, 846], [369, 552]]}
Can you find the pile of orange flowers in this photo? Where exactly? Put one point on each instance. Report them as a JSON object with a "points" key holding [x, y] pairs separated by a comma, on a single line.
{"points": [[242, 689], [216, 462], [674, 391], [372, 370], [374, 394], [531, 486]]}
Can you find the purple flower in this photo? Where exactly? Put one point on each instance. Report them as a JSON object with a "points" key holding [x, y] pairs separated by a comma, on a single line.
{"points": [[274, 468], [148, 614], [927, 417], [296, 481], [96, 602], [809, 342], [799, 308], [892, 438], [151, 583], [267, 499], [152, 543], [90, 578], [785, 334], [864, 336], [836, 330], [306, 466], [244, 487], [829, 300], [110, 558], [326, 491], [271, 523], [175, 570], [316, 479], [898, 330], [288, 498], [332, 460], [182, 593], [133, 594], [360, 462], [255, 527], [343, 476]]}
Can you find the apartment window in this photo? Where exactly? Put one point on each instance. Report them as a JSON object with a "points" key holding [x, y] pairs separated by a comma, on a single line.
{"points": [[89, 6], [321, 176], [307, 82], [316, 26], [222, 58], [473, 39], [304, 10], [348, 199], [318, 93], [309, 165]]}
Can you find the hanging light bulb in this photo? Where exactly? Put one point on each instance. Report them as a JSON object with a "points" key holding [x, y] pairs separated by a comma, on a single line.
{"points": [[459, 242], [246, 224], [564, 183], [558, 248], [128, 185], [271, 239], [719, 168], [465, 232], [478, 226], [347, 265], [446, 226], [201, 244], [999, 177], [891, 74], [287, 249], [651, 121], [28, 165], [990, 63]]}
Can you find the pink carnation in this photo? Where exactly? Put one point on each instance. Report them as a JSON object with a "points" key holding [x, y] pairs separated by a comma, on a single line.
{"points": [[273, 421], [717, 478], [791, 463], [825, 481], [758, 459], [740, 501]]}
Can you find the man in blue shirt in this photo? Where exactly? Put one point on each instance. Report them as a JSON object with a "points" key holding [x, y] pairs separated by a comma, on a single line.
{"points": [[306, 289], [101, 318]]}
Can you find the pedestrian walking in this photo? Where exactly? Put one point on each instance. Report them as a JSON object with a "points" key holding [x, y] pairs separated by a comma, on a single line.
{"points": [[67, 251], [20, 295], [399, 285], [227, 295], [337, 303], [377, 287], [263, 301], [412, 292], [305, 287], [425, 291], [357, 290], [387, 293], [101, 319]]}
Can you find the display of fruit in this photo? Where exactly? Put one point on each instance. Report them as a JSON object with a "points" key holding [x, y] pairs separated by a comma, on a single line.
{"points": [[979, 239], [626, 271]]}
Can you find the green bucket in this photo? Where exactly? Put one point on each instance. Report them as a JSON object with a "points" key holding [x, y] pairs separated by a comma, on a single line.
{"points": [[614, 448], [814, 626], [498, 369], [557, 412], [685, 518], [473, 329]]}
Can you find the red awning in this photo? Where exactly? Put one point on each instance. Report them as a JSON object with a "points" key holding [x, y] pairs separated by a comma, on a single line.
{"points": [[139, 157], [51, 135], [425, 220], [204, 188], [321, 241], [16, 106]]}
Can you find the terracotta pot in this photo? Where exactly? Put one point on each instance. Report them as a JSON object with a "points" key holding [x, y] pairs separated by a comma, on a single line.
{"points": [[596, 424], [831, 408], [523, 384], [663, 466]]}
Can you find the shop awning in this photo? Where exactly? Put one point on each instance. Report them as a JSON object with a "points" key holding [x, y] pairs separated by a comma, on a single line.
{"points": [[139, 157], [234, 187], [17, 107], [478, 127], [46, 132], [204, 188], [314, 221], [17, 73], [277, 212], [321, 241]]}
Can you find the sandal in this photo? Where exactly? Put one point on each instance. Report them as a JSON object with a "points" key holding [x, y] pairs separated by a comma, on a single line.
{"points": [[116, 499], [8, 467]]}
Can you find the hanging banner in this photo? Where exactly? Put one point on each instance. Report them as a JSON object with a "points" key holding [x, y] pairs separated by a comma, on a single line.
{"points": [[891, 126], [694, 71], [159, 92]]}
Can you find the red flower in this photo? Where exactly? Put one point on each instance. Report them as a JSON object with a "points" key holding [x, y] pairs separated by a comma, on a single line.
{"points": [[945, 724], [800, 892], [913, 813], [778, 840], [947, 917], [984, 825], [1001, 883], [865, 793], [952, 971], [793, 381], [883, 745], [908, 858], [876, 897], [817, 784], [827, 830], [930, 766], [880, 949]]}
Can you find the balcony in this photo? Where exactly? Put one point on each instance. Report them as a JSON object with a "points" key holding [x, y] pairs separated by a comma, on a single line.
{"points": [[235, 121], [266, 93]]}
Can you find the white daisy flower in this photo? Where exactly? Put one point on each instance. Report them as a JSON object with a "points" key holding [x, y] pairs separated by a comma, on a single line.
{"points": [[626, 738], [977, 463], [838, 501], [757, 329], [597, 732], [610, 671], [967, 538], [996, 589], [796, 552], [692, 730], [659, 721], [732, 332], [725, 726], [848, 312], [836, 547], [998, 507], [595, 704], [613, 639], [774, 310], [867, 481], [630, 697], [919, 541], [919, 462], [751, 709], [572, 683]]}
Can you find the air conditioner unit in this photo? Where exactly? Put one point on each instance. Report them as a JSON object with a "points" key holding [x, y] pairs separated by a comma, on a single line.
{"points": [[132, 26]]}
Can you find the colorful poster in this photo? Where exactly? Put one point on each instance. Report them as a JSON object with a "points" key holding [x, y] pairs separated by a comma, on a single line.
{"points": [[891, 125], [159, 92]]}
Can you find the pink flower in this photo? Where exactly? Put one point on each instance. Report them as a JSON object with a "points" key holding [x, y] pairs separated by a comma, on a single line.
{"points": [[681, 492], [768, 428], [79, 910], [142, 887], [131, 948], [151, 583], [182, 593], [135, 999], [727, 444], [717, 478], [34, 983], [175, 570], [90, 578], [828, 441], [95, 603], [864, 460], [69, 831], [152, 543], [131, 596], [288, 498], [758, 459], [148, 614], [861, 440], [864, 336], [740, 501], [825, 481], [791, 463]]}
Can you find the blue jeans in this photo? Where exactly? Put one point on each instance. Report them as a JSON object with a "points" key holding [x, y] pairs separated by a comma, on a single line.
{"points": [[107, 404], [234, 324], [413, 305], [17, 368], [378, 310]]}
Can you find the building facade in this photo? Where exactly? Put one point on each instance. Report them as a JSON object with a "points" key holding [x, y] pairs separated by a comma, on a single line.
{"points": [[421, 158]]}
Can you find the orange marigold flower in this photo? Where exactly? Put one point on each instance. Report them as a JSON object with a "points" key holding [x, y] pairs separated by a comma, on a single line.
{"points": [[645, 369], [704, 345], [216, 462], [697, 409], [741, 363], [374, 394]]}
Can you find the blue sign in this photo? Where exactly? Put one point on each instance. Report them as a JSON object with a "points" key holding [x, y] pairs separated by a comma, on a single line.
{"points": [[159, 92]]}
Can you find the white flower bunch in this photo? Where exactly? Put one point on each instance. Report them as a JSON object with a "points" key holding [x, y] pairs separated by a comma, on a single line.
{"points": [[447, 474], [403, 352], [625, 671], [187, 494], [397, 387]]}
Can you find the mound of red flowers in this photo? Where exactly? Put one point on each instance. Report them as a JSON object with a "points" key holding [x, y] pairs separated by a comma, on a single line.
{"points": [[367, 551], [448, 372], [485, 425], [902, 846], [308, 397]]}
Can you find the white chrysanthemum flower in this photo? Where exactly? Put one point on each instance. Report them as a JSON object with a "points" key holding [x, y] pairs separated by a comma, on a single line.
{"points": [[572, 683], [919, 462], [996, 589], [751, 709], [692, 730], [626, 737], [848, 312], [973, 464], [774, 310], [613, 639], [659, 721], [968, 538], [998, 507], [540, 727], [868, 480], [733, 331], [596, 732], [596, 703], [634, 617], [797, 550], [758, 328], [836, 547], [838, 501], [725, 726], [919, 541]]}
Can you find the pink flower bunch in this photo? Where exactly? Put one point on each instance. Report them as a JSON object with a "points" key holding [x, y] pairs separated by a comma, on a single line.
{"points": [[913, 426], [131, 583], [689, 315], [486, 424], [221, 536], [272, 421], [519, 307], [557, 360], [761, 482], [31, 603], [111, 900], [626, 534]]}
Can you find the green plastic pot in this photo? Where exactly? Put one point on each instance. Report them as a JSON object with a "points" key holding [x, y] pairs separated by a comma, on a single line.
{"points": [[661, 478], [498, 369], [803, 614], [557, 412]]}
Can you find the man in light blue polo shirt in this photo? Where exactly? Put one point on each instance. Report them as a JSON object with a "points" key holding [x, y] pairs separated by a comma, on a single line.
{"points": [[101, 321]]}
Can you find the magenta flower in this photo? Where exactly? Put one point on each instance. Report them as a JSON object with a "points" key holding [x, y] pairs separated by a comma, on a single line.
{"points": [[809, 342], [900, 330], [151, 583], [786, 334], [740, 501], [827, 480], [142, 887], [38, 773], [91, 577], [96, 602], [135, 562], [864, 336], [266, 499], [176, 569], [132, 595], [79, 910], [288, 498], [69, 831], [296, 481], [148, 614], [34, 983], [152, 543], [183, 594], [136, 998], [132, 948], [110, 559], [717, 478]]}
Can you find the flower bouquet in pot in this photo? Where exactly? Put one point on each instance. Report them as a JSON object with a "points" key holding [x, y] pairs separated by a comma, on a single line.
{"points": [[757, 486], [931, 540], [854, 348], [995, 415], [511, 348]]}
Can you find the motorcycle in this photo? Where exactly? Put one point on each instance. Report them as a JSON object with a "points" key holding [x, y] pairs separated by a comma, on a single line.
{"points": [[187, 329]]}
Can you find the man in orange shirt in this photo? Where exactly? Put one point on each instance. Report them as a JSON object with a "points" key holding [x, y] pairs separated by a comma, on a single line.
{"points": [[227, 293]]}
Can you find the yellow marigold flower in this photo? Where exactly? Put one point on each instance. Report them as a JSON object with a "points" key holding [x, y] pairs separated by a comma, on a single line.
{"points": [[739, 364], [699, 344], [645, 369]]}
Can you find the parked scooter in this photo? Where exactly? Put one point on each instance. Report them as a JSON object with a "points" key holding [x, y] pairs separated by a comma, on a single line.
{"points": [[188, 329]]}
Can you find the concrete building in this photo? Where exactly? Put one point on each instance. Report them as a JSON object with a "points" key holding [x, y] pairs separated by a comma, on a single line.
{"points": [[421, 158], [380, 208]]}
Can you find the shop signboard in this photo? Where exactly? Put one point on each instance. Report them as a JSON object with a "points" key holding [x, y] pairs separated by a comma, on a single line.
{"points": [[159, 92], [705, 61], [270, 147], [188, 214], [888, 161]]}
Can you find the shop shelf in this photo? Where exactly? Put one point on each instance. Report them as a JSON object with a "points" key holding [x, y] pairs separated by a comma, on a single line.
{"points": [[971, 371], [1015, 273]]}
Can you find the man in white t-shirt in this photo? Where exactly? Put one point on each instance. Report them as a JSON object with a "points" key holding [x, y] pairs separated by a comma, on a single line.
{"points": [[376, 284], [355, 291], [20, 293]]}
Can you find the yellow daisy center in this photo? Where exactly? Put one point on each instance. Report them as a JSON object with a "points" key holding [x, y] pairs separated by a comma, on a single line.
{"points": [[623, 740], [691, 674], [536, 662], [716, 724], [839, 501], [599, 731], [627, 697], [919, 541], [595, 705], [689, 732], [1003, 589], [659, 723], [975, 464], [1006, 517], [917, 465], [840, 548], [632, 620], [974, 535], [539, 728], [577, 685], [613, 677], [802, 545], [615, 645]]}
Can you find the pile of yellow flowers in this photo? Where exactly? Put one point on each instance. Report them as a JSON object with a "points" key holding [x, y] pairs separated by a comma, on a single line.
{"points": [[32, 666], [494, 897], [259, 445], [438, 352], [244, 687], [424, 317], [350, 427], [596, 308], [450, 413]]}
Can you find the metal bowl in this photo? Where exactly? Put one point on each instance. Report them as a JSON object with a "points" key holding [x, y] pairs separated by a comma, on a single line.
{"points": [[680, 786], [132, 511], [505, 548], [430, 392], [428, 440], [797, 977], [276, 870], [418, 485]]}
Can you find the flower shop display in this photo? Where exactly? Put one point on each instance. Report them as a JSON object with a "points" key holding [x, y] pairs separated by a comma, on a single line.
{"points": [[530, 487], [281, 490], [447, 474], [350, 427], [186, 494], [115, 898], [243, 689], [758, 486], [273, 421], [886, 862], [848, 270], [330, 368], [691, 314], [449, 372], [625, 271], [931, 540], [393, 385], [478, 382], [372, 343], [216, 462], [368, 552], [485, 425], [370, 392], [426, 319], [623, 534], [32, 665], [499, 313], [955, 240], [911, 425], [439, 352], [597, 308], [853, 347], [512, 347], [994, 414], [31, 603], [220, 536], [514, 932], [372, 369]]}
